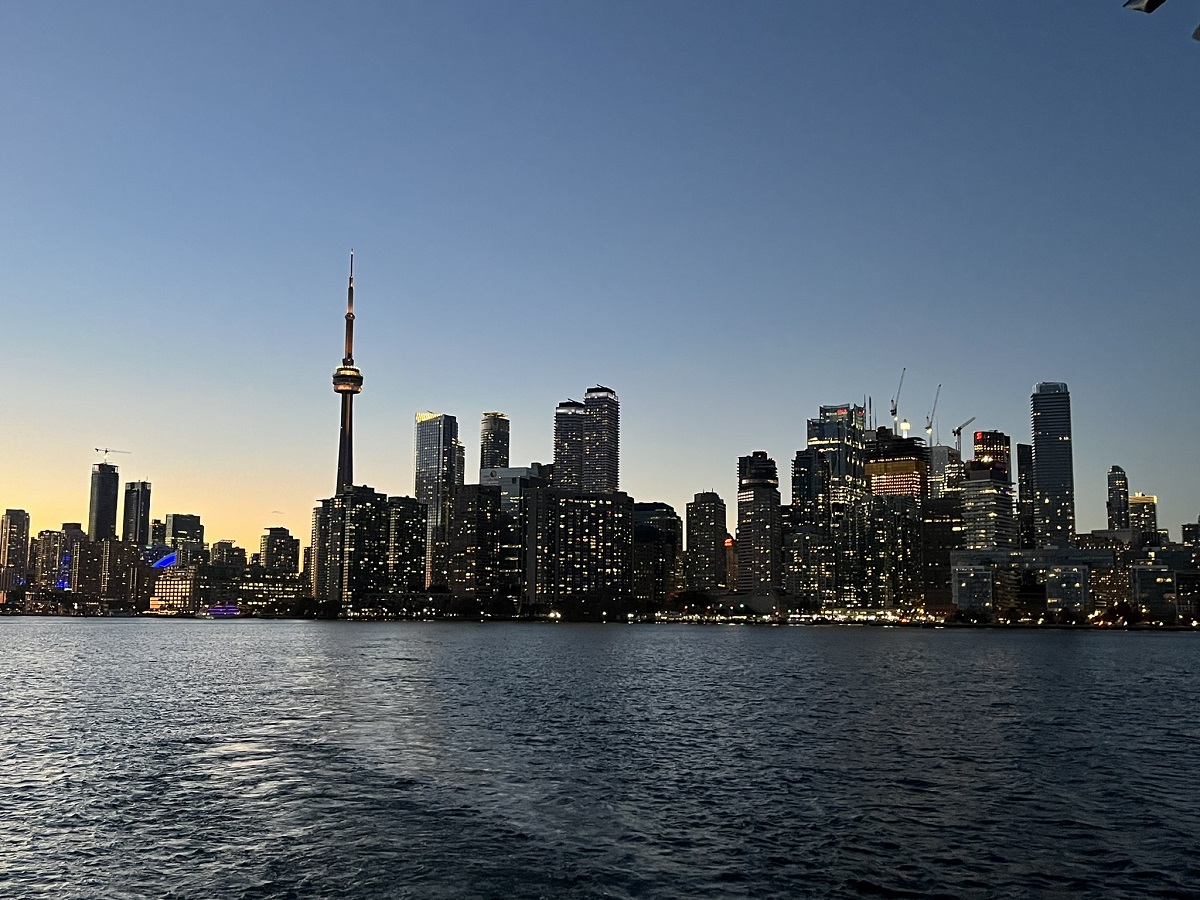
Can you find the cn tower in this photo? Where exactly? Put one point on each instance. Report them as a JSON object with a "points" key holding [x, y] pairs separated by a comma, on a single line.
{"points": [[347, 381]]}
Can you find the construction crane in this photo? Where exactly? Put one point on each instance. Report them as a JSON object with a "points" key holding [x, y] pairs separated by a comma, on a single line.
{"points": [[929, 418], [1149, 6], [108, 450], [957, 432], [896, 399]]}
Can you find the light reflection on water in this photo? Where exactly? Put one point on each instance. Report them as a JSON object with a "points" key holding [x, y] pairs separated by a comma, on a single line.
{"points": [[281, 759]]}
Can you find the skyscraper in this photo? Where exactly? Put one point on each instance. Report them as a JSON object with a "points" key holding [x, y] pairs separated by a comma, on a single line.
{"points": [[14, 548], [759, 528], [493, 441], [1143, 517], [347, 381], [436, 460], [706, 530], [102, 512], [569, 426], [601, 440], [1026, 529], [993, 449], [1053, 464], [185, 535], [1118, 499], [136, 522]]}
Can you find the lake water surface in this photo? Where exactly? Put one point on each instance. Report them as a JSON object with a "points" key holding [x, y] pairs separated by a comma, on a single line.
{"points": [[150, 758]]}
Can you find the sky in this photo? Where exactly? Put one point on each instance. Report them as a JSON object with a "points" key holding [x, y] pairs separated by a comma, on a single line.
{"points": [[730, 213]]}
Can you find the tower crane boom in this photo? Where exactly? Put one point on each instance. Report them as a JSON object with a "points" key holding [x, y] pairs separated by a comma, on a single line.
{"points": [[957, 432]]}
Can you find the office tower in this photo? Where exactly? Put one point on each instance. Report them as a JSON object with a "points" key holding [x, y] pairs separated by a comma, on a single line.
{"points": [[993, 449], [838, 439], [436, 460], [185, 535], [890, 555], [601, 440], [350, 562], [158, 533], [1143, 518], [102, 512], [581, 563], [1118, 499], [407, 532], [474, 547], [279, 552], [136, 521], [896, 466], [657, 555], [987, 508], [1053, 464], [759, 528], [941, 535], [569, 425], [347, 381], [1026, 528], [493, 441], [706, 532]]}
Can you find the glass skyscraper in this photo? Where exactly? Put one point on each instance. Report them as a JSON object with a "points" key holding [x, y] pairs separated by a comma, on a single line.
{"points": [[1053, 465]]}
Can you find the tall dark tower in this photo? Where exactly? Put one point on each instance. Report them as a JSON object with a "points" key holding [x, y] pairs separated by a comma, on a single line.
{"points": [[1053, 465], [137, 513], [102, 512], [493, 441], [347, 381]]}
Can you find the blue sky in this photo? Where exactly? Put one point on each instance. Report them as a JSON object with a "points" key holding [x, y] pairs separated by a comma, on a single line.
{"points": [[729, 213]]}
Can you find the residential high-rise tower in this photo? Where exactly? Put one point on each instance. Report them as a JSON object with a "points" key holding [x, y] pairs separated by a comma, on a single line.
{"points": [[136, 521], [1053, 464], [437, 459], [493, 441], [601, 440], [1118, 499]]}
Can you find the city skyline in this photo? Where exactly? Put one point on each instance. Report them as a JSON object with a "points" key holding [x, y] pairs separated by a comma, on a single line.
{"points": [[704, 211]]}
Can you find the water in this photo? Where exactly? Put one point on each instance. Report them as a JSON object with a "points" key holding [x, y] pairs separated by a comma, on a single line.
{"points": [[251, 759]]}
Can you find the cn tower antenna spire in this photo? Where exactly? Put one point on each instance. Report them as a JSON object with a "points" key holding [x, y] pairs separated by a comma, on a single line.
{"points": [[349, 358]]}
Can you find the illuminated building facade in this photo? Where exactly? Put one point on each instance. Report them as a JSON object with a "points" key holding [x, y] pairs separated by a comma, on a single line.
{"points": [[14, 549], [706, 532], [993, 449], [570, 419], [657, 554], [760, 526], [580, 553], [1053, 464], [350, 568], [279, 552], [1143, 518], [437, 468], [474, 545], [1118, 499], [601, 441]]}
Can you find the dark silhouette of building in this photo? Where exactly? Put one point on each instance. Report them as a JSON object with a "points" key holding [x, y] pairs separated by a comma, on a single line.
{"points": [[136, 521], [279, 552], [1053, 464], [759, 528], [493, 441], [1118, 499], [657, 555], [102, 511], [437, 472]]}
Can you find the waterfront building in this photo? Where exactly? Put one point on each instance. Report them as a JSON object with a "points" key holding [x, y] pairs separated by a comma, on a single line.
{"points": [[657, 555], [987, 508], [810, 570], [136, 520], [1053, 464], [706, 532], [760, 527], [942, 533], [493, 441], [972, 589], [514, 485], [890, 558], [228, 554], [407, 532], [102, 511], [581, 553], [47, 555], [1067, 591], [14, 549], [350, 534], [1118, 499], [279, 552], [474, 546], [437, 462]]}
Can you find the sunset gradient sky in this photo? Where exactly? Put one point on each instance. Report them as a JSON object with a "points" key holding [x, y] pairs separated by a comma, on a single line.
{"points": [[730, 213]]}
